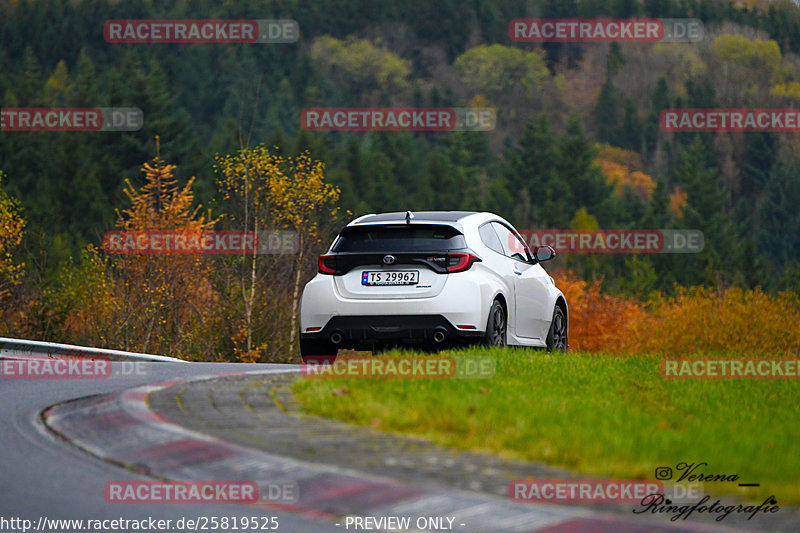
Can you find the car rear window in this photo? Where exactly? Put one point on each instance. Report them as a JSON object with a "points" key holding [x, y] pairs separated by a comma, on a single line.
{"points": [[403, 238]]}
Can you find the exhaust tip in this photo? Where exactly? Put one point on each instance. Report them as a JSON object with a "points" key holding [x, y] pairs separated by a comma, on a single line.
{"points": [[439, 336], [337, 337]]}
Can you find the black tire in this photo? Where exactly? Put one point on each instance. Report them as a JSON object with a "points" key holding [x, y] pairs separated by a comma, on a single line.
{"points": [[496, 326], [557, 339], [316, 347]]}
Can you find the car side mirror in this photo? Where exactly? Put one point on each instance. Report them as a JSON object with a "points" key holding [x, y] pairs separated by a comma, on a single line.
{"points": [[543, 253]]}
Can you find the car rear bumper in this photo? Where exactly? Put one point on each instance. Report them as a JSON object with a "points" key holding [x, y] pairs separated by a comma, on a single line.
{"points": [[370, 330]]}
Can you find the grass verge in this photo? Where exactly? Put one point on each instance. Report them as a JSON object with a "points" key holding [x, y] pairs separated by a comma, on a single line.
{"points": [[598, 415]]}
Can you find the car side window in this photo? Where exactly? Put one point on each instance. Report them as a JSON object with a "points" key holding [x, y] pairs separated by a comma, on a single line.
{"points": [[513, 247], [490, 238]]}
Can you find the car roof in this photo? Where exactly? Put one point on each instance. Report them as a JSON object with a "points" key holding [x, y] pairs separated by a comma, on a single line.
{"points": [[417, 217]]}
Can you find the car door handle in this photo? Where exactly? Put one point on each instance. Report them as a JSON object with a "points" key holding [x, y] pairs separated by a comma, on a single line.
{"points": [[517, 271]]}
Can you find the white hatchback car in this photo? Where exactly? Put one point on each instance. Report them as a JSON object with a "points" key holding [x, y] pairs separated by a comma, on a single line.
{"points": [[433, 278]]}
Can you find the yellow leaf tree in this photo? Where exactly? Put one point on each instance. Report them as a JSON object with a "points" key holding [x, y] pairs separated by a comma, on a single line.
{"points": [[12, 225], [267, 191]]}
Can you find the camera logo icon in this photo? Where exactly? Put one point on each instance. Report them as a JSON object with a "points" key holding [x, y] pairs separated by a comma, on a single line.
{"points": [[663, 473]]}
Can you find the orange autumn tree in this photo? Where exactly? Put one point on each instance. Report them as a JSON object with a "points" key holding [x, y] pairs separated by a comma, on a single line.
{"points": [[624, 168], [166, 301], [677, 201]]}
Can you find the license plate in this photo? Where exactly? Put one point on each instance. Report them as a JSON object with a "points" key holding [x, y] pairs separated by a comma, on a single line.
{"points": [[392, 277]]}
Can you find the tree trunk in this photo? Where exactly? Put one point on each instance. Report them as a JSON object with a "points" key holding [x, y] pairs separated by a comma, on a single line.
{"points": [[297, 279]]}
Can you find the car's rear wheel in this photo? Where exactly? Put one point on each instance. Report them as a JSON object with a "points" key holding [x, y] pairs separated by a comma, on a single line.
{"points": [[316, 347], [557, 336], [496, 326]]}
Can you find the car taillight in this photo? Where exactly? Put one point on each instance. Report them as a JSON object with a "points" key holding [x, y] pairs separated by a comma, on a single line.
{"points": [[458, 262], [326, 264]]}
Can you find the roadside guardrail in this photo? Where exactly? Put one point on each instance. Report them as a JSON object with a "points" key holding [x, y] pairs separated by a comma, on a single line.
{"points": [[9, 348]]}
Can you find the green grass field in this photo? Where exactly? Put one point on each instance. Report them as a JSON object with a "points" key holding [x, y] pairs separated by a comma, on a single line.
{"points": [[597, 415]]}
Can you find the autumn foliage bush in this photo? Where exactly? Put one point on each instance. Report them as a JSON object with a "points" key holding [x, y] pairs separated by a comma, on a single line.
{"points": [[597, 321], [694, 321], [703, 320]]}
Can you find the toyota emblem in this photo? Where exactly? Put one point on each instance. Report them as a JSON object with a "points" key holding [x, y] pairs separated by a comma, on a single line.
{"points": [[389, 259]]}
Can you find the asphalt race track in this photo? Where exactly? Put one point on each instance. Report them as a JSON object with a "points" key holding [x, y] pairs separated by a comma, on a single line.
{"points": [[44, 477], [217, 421]]}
